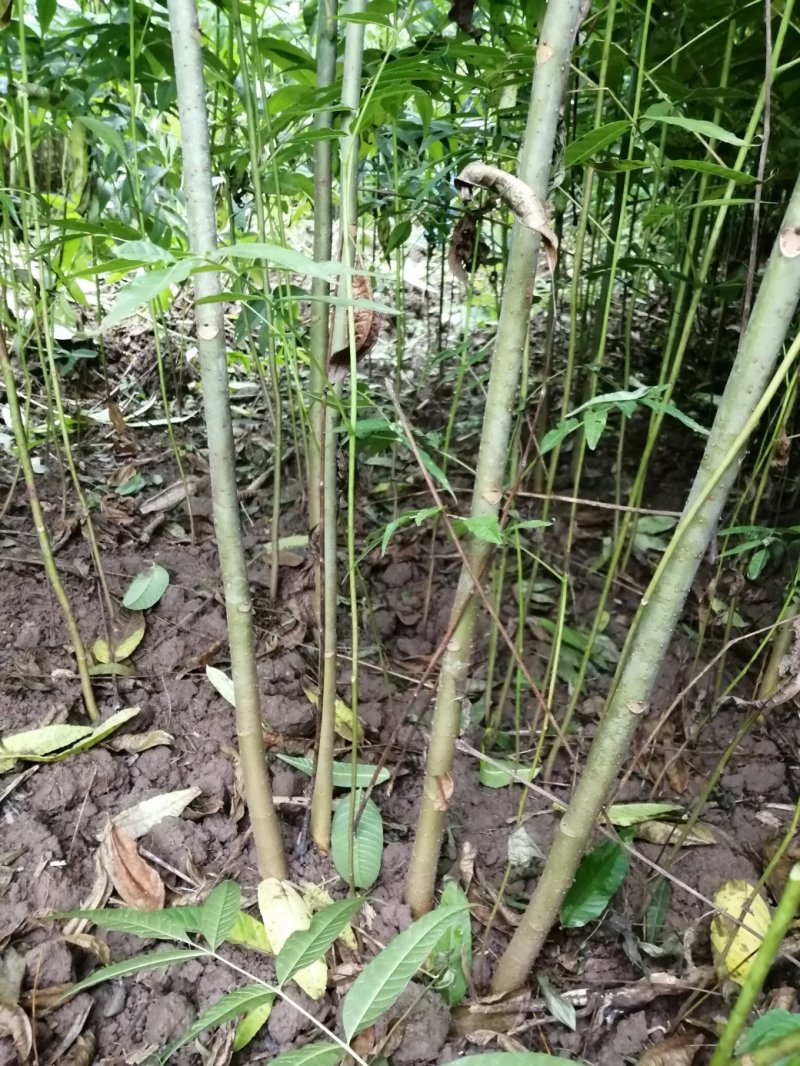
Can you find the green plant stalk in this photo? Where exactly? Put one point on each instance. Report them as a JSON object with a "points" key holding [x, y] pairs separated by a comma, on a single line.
{"points": [[341, 329], [759, 968], [45, 550], [45, 333], [187, 51], [323, 244], [549, 82], [255, 150], [752, 381], [322, 793]]}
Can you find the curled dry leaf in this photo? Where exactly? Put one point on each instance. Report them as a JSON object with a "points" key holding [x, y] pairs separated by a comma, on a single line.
{"points": [[97, 898], [663, 833], [134, 743], [92, 945], [141, 818], [520, 199], [675, 1051], [170, 497], [444, 792], [367, 324], [221, 1048], [14, 1023], [466, 251], [780, 873], [136, 882], [82, 1052]]}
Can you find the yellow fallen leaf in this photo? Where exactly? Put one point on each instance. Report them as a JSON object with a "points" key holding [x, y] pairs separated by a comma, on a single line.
{"points": [[317, 898], [284, 911], [343, 717], [734, 946]]}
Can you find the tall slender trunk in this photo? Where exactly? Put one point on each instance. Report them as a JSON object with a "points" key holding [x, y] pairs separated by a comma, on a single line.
{"points": [[211, 347], [753, 381]]}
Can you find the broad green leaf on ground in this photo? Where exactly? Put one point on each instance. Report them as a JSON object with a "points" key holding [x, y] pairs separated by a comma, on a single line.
{"points": [[251, 1025], [451, 958], [172, 923], [248, 932], [138, 964], [219, 913], [561, 1009], [311, 1055], [284, 911], [383, 980], [229, 1006], [40, 745], [367, 843], [657, 910], [146, 589], [144, 816], [599, 876], [341, 771], [144, 289], [36, 743], [770, 1026], [343, 716], [594, 141], [500, 772], [125, 637], [735, 946], [222, 683], [308, 945]]}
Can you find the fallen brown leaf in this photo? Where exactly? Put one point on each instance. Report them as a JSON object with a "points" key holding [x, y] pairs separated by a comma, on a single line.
{"points": [[675, 1051], [444, 792], [221, 1048], [92, 945], [82, 1051], [14, 1023], [136, 882]]}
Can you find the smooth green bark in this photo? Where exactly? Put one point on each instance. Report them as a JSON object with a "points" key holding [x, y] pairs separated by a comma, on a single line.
{"points": [[549, 83], [750, 379], [219, 432]]}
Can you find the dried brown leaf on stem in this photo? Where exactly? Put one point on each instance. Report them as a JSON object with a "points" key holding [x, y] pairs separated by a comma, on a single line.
{"points": [[520, 199]]}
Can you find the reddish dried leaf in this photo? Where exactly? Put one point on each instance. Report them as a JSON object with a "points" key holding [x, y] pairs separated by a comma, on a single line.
{"points": [[136, 882], [461, 13], [675, 1051], [367, 325]]}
